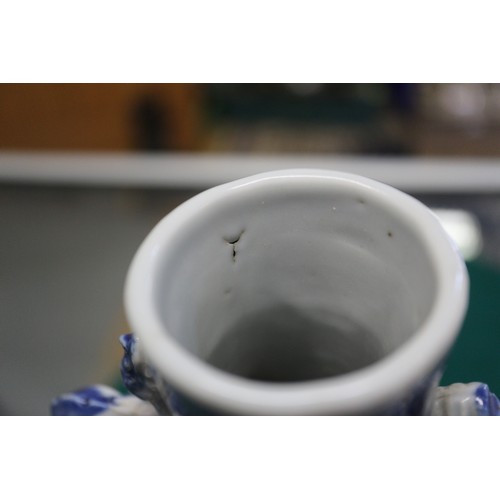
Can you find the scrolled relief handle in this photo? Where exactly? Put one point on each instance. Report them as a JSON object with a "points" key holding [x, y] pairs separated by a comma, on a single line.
{"points": [[138, 376], [472, 399], [101, 400]]}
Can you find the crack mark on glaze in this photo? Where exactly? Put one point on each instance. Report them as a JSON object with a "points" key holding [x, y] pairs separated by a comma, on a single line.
{"points": [[233, 241]]}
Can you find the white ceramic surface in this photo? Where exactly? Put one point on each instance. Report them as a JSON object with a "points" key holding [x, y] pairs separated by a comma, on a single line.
{"points": [[304, 270]]}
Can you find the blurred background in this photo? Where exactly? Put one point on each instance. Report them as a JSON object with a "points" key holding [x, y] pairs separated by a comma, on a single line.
{"points": [[392, 119], [86, 171]]}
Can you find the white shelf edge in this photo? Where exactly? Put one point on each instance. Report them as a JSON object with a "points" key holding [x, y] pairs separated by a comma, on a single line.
{"points": [[200, 171]]}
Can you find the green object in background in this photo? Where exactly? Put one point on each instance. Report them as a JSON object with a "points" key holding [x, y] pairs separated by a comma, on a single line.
{"points": [[117, 384], [476, 355]]}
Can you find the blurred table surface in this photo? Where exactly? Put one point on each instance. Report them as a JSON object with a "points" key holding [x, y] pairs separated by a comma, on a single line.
{"points": [[71, 223]]}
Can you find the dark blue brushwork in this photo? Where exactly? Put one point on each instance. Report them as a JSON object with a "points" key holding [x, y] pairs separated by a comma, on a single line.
{"points": [[487, 404], [138, 376], [92, 400]]}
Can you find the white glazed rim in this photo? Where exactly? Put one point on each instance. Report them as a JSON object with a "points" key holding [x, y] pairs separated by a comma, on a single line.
{"points": [[347, 394]]}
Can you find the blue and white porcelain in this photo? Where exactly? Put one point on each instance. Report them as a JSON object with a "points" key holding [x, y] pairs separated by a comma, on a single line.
{"points": [[474, 399], [100, 400], [297, 292]]}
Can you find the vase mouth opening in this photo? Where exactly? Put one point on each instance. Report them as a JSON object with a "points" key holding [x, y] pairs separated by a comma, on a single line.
{"points": [[304, 291]]}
